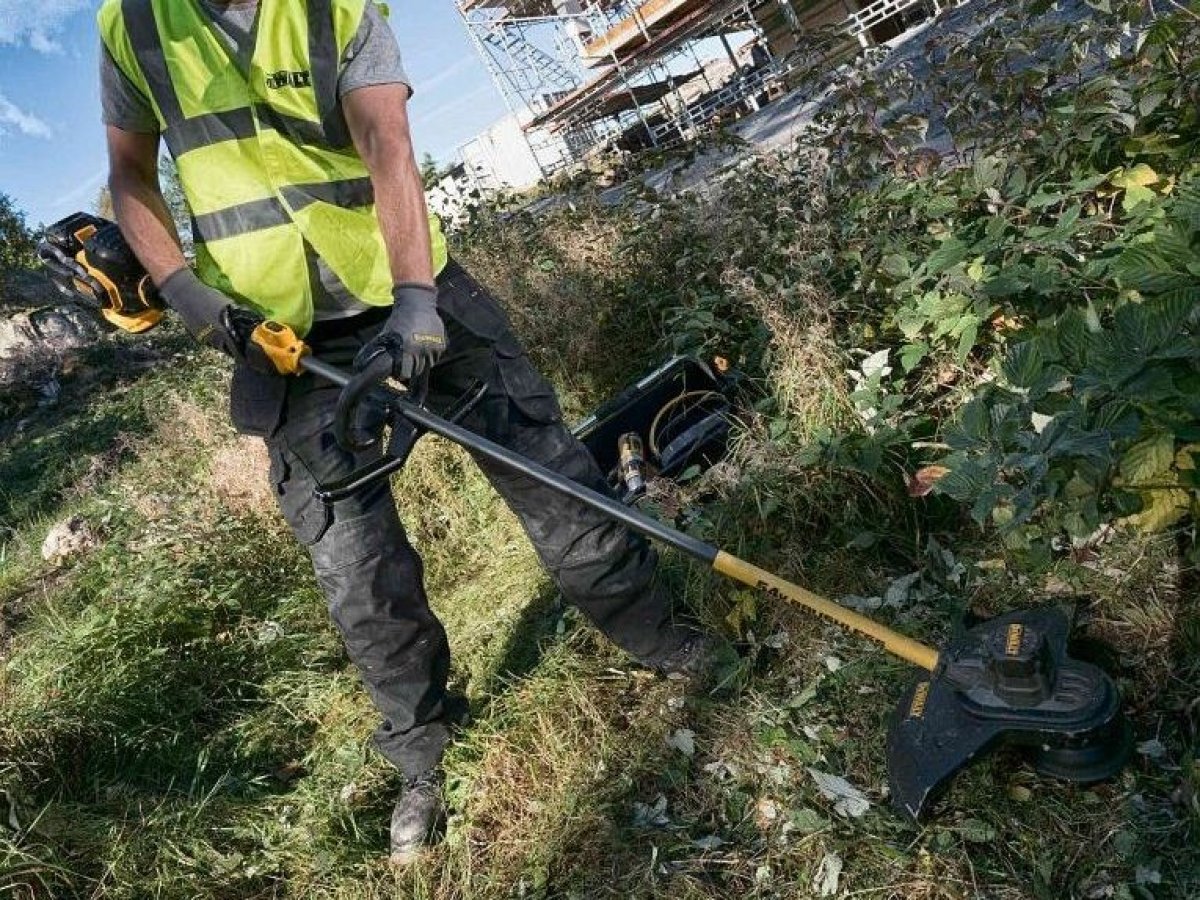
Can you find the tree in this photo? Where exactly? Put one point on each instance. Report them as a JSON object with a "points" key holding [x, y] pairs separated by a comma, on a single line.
{"points": [[431, 172], [103, 204], [17, 244], [177, 205]]}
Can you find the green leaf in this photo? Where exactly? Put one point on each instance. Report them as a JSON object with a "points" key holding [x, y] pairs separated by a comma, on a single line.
{"points": [[1144, 270], [1141, 328], [1118, 418], [1140, 175], [967, 479], [1150, 102], [977, 831], [1024, 364], [808, 821], [1148, 459], [895, 266], [1005, 284], [1042, 200], [966, 341], [911, 355], [949, 254], [1096, 445], [1073, 338], [1135, 196], [973, 426]]}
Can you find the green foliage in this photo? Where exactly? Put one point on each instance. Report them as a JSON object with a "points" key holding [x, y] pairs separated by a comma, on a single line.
{"points": [[177, 205], [1042, 272], [431, 172], [16, 240]]}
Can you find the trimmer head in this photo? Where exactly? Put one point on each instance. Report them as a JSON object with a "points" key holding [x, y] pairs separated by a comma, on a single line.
{"points": [[1007, 681]]}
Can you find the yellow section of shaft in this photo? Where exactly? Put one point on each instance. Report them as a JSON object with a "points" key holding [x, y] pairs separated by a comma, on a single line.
{"points": [[904, 647]]}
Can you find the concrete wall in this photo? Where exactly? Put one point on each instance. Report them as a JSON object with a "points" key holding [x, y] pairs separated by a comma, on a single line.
{"points": [[500, 157]]}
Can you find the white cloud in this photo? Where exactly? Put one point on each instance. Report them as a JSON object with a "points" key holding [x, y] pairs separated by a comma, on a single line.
{"points": [[43, 44], [447, 74], [34, 24], [84, 191], [28, 124]]}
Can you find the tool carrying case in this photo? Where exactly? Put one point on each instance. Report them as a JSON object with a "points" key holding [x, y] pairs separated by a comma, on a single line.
{"points": [[681, 412]]}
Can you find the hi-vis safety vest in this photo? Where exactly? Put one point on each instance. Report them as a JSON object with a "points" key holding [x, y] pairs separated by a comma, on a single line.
{"points": [[265, 156]]}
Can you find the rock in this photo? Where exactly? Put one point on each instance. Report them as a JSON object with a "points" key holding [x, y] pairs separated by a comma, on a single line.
{"points": [[67, 539], [28, 288], [50, 392], [36, 341]]}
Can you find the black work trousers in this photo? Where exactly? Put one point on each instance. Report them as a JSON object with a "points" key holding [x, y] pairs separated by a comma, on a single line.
{"points": [[368, 570]]}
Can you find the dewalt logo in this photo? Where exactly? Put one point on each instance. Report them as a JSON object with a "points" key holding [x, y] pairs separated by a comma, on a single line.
{"points": [[1016, 634], [279, 80], [920, 698]]}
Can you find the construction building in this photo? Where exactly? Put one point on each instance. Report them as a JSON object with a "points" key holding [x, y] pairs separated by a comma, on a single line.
{"points": [[582, 76]]}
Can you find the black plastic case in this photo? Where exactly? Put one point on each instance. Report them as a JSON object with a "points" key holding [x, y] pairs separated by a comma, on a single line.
{"points": [[699, 436]]}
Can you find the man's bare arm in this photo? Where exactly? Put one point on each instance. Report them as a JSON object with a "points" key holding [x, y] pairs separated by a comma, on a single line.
{"points": [[138, 203], [378, 120], [146, 223]]}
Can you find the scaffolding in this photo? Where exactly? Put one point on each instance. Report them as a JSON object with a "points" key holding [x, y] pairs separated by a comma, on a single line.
{"points": [[580, 76]]}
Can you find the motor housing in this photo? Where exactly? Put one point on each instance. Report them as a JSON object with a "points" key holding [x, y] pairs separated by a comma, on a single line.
{"points": [[1010, 681]]}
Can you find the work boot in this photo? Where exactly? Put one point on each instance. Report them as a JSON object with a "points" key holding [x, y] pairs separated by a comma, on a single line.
{"points": [[704, 660], [418, 818]]}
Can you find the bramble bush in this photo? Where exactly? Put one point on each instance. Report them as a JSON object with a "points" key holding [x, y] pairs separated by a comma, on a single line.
{"points": [[1018, 247]]}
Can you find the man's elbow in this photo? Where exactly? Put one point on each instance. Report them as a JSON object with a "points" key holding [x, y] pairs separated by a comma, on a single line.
{"points": [[123, 180], [126, 181], [386, 150]]}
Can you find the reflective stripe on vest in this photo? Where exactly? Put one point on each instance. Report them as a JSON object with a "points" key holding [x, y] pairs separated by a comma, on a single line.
{"points": [[264, 153]]}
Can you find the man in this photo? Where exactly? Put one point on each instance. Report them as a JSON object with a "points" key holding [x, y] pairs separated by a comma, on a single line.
{"points": [[288, 123]]}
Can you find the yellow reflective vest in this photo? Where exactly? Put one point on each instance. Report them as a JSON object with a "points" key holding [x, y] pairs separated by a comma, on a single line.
{"points": [[264, 154]]}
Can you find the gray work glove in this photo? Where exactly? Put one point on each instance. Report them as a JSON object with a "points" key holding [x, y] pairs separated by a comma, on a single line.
{"points": [[213, 319], [411, 341]]}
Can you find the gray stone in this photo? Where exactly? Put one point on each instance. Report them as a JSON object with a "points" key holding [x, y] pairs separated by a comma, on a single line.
{"points": [[33, 343], [68, 539]]}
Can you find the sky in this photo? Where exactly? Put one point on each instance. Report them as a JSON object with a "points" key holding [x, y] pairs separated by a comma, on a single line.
{"points": [[52, 142]]}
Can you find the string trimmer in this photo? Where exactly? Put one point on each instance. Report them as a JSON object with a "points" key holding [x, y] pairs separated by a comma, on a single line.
{"points": [[1007, 681]]}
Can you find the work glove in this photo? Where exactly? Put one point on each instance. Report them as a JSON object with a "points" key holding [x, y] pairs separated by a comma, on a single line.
{"points": [[411, 341], [215, 321]]}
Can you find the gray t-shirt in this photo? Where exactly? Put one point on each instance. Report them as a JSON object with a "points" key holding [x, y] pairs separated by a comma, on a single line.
{"points": [[373, 57]]}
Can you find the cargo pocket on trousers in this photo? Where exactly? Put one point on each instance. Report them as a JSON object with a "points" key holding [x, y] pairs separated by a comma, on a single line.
{"points": [[527, 389], [293, 484]]}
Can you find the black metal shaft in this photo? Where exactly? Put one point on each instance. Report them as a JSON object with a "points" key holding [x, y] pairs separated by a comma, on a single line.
{"points": [[475, 443]]}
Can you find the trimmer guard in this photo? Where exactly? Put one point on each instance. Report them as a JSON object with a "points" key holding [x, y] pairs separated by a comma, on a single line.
{"points": [[1006, 681]]}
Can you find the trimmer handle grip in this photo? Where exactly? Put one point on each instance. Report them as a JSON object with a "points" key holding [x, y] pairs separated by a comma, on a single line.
{"points": [[281, 346]]}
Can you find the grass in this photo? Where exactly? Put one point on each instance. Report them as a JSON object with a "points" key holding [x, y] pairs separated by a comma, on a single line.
{"points": [[178, 719]]}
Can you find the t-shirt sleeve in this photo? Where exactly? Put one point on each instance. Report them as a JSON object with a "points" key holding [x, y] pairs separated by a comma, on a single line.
{"points": [[373, 57], [122, 104]]}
